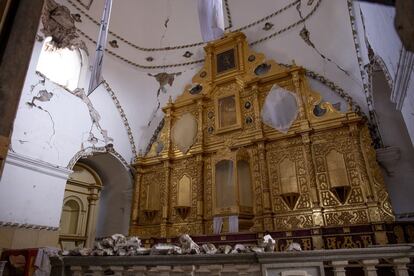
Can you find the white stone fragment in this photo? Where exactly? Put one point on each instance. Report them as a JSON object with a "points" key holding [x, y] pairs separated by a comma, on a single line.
{"points": [[268, 243], [257, 249], [239, 248], [165, 249], [188, 246], [294, 247], [209, 248], [226, 249]]}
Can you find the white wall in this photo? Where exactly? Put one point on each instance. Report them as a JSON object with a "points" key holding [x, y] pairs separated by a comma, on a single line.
{"points": [[381, 34], [376, 26], [114, 205], [398, 173], [31, 191], [60, 128], [408, 108]]}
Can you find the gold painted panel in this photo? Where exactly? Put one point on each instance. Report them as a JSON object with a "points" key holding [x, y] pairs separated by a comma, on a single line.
{"points": [[292, 175]]}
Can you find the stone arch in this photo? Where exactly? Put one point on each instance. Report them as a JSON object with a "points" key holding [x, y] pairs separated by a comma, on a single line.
{"points": [[396, 153], [96, 150], [115, 197]]}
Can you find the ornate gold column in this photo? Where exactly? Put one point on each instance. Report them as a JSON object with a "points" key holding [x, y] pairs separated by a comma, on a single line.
{"points": [[258, 197], [314, 193], [296, 83], [165, 199], [135, 198], [266, 196], [92, 211], [200, 194], [257, 118]]}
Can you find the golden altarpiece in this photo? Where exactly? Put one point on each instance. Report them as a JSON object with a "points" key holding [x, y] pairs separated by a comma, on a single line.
{"points": [[215, 158]]}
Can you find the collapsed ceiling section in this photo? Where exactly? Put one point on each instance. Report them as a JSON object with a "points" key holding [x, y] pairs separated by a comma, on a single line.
{"points": [[154, 49]]}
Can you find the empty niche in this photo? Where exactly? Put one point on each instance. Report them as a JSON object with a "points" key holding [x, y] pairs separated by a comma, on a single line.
{"points": [[70, 217], [184, 191], [225, 189], [338, 176], [245, 183], [288, 182], [153, 197]]}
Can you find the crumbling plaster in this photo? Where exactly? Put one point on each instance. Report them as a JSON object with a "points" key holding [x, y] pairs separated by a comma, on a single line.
{"points": [[134, 113], [54, 129], [376, 30], [338, 46], [136, 90]]}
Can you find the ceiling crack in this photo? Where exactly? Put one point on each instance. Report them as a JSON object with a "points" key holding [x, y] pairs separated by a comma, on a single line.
{"points": [[305, 35]]}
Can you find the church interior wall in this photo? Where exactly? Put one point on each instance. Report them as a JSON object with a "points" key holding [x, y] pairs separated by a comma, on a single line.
{"points": [[55, 130], [375, 23], [408, 108], [398, 172], [378, 23], [31, 204]]}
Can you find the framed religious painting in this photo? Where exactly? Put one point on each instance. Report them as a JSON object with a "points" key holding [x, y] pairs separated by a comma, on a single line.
{"points": [[227, 107], [226, 61]]}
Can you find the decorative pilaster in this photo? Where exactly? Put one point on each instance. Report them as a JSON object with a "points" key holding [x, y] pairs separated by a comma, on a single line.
{"points": [[369, 267], [91, 227], [339, 267], [316, 208], [200, 137], [167, 126], [200, 192], [135, 197], [296, 83], [400, 266], [257, 117], [165, 198], [266, 196]]}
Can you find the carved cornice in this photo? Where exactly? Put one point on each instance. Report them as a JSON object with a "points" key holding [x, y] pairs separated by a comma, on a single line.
{"points": [[26, 162], [27, 226], [402, 78]]}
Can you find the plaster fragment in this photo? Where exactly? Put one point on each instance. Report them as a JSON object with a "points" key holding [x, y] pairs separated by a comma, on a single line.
{"points": [[43, 96], [93, 113], [163, 79]]}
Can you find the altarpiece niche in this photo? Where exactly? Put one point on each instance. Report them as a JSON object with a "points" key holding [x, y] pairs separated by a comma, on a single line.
{"points": [[222, 168]]}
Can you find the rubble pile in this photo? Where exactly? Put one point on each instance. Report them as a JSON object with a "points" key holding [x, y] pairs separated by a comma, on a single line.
{"points": [[119, 245]]}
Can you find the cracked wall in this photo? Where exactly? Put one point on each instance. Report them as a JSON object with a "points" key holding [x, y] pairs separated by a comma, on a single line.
{"points": [[54, 125]]}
